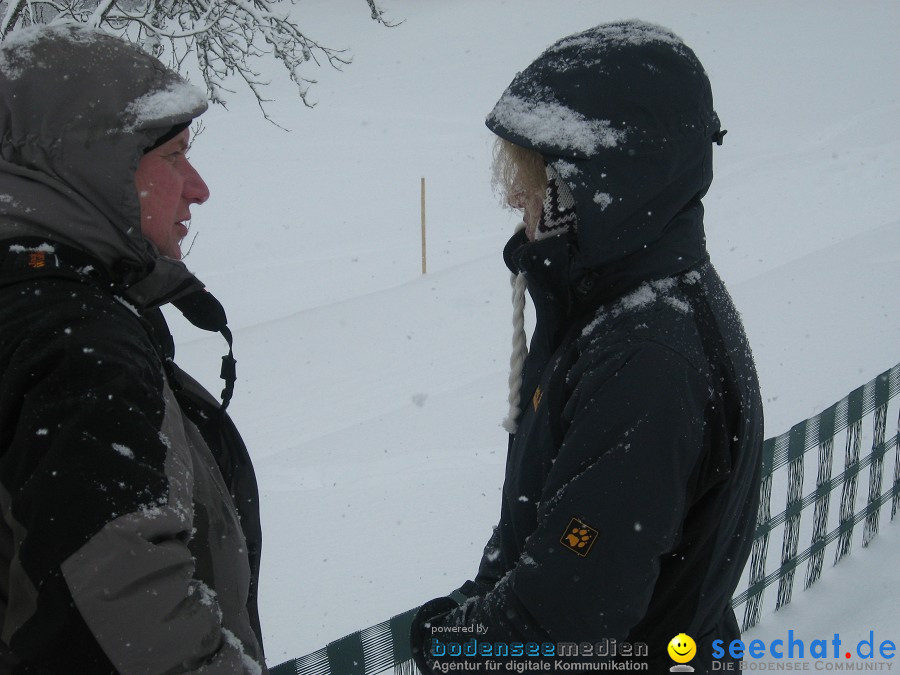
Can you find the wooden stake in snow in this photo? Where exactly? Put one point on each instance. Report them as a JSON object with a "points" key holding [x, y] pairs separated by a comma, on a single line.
{"points": [[423, 225]]}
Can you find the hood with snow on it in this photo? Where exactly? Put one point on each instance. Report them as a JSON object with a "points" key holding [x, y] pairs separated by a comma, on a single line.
{"points": [[624, 113], [78, 108]]}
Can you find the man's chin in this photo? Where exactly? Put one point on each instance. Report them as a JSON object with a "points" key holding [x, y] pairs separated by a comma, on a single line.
{"points": [[173, 252]]}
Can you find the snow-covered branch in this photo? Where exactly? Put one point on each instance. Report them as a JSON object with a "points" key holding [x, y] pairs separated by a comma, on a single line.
{"points": [[227, 38]]}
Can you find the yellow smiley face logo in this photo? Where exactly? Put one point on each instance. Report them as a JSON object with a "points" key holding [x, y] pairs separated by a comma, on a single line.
{"points": [[682, 648]]}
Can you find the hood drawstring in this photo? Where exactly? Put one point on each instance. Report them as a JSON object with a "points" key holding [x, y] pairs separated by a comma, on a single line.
{"points": [[519, 348]]}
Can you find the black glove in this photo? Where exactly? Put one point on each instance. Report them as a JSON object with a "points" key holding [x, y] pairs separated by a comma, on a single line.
{"points": [[468, 590], [421, 629]]}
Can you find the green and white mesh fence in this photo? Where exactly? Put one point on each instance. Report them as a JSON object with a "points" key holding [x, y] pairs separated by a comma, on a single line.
{"points": [[800, 464], [379, 648], [825, 495]]}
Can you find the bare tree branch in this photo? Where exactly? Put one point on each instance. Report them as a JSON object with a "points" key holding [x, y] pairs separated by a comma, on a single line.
{"points": [[228, 38], [378, 15]]}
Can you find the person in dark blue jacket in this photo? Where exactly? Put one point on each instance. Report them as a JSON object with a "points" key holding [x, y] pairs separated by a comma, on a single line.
{"points": [[631, 490]]}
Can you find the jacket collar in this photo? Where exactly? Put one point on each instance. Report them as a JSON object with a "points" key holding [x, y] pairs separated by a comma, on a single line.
{"points": [[563, 285]]}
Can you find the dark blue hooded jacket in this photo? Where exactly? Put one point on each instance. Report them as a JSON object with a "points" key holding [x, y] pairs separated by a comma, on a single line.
{"points": [[631, 488]]}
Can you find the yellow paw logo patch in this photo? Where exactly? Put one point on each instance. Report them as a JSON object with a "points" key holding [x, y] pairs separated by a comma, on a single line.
{"points": [[536, 399], [579, 537]]}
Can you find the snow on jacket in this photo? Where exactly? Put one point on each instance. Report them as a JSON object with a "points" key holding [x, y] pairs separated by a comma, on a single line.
{"points": [[629, 502], [130, 533]]}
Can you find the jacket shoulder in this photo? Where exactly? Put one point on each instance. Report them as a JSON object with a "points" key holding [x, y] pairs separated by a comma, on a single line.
{"points": [[51, 310], [658, 316], [63, 340]]}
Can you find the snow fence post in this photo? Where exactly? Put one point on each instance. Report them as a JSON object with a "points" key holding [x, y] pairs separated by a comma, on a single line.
{"points": [[424, 267]]}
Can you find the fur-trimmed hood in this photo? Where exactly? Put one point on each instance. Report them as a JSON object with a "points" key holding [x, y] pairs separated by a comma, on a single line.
{"points": [[78, 108]]}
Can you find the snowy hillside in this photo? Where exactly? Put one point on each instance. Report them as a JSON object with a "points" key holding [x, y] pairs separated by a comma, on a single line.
{"points": [[371, 396]]}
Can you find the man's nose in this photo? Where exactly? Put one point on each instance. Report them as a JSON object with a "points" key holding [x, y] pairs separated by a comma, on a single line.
{"points": [[195, 189]]}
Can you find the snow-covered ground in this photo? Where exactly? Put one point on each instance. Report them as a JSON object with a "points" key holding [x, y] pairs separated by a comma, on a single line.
{"points": [[371, 395]]}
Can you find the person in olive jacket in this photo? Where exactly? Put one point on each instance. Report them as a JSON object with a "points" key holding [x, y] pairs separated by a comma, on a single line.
{"points": [[631, 490], [130, 537]]}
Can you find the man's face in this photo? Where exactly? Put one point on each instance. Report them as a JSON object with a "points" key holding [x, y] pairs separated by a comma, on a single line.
{"points": [[167, 186]]}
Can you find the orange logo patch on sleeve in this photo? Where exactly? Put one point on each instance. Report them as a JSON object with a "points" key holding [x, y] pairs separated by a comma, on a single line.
{"points": [[536, 399], [37, 259], [579, 537]]}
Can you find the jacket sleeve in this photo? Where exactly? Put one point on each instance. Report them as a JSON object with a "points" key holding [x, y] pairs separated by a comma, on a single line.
{"points": [[97, 497], [494, 563], [612, 506]]}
